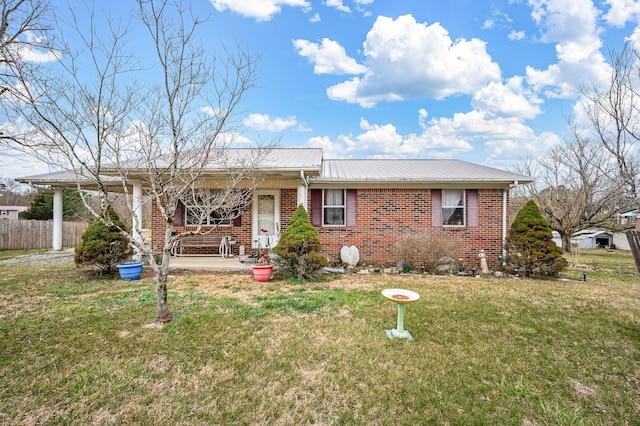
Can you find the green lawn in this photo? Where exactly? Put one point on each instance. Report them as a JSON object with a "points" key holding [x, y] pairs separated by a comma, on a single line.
{"points": [[486, 351]]}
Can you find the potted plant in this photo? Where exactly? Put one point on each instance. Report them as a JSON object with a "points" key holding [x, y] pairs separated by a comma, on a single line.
{"points": [[130, 270], [263, 268]]}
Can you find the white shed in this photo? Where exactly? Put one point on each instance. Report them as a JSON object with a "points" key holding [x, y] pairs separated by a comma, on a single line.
{"points": [[591, 238], [11, 212]]}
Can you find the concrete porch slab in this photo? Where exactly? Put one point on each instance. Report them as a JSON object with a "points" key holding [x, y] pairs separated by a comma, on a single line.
{"points": [[211, 263]]}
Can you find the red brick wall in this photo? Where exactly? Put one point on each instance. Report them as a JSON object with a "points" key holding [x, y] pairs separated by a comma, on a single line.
{"points": [[288, 206], [385, 215]]}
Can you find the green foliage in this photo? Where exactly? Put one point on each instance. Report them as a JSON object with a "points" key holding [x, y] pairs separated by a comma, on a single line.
{"points": [[530, 246], [103, 247], [299, 247], [41, 207]]}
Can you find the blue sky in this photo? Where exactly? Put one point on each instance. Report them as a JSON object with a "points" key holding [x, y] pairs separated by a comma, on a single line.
{"points": [[486, 82]]}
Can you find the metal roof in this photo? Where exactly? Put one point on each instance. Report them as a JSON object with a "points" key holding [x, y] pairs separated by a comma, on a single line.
{"points": [[413, 170], [292, 158], [365, 172], [223, 159]]}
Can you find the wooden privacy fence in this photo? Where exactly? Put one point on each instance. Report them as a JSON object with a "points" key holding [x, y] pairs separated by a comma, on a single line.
{"points": [[37, 234], [634, 241]]}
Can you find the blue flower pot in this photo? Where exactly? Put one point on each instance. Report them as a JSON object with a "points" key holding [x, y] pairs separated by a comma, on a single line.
{"points": [[130, 270]]}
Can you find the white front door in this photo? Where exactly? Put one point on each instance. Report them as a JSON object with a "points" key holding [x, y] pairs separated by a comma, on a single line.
{"points": [[266, 219]]}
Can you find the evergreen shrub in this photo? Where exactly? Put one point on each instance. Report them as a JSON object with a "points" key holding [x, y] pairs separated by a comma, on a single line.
{"points": [[299, 247], [531, 250], [103, 247]]}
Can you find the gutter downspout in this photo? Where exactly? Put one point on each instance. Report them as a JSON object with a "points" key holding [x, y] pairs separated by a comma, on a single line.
{"points": [[505, 193], [303, 190]]}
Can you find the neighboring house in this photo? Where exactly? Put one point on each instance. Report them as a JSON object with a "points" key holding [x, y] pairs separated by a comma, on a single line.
{"points": [[370, 203], [11, 212], [627, 218]]}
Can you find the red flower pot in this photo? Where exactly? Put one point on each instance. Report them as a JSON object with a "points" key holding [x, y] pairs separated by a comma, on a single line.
{"points": [[262, 273]]}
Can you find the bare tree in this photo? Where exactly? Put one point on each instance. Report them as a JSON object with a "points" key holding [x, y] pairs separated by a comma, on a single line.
{"points": [[23, 28], [574, 188], [114, 122], [23, 36], [13, 193], [614, 115]]}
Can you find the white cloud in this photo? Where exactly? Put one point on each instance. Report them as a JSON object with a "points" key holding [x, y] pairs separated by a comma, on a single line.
{"points": [[328, 57], [30, 51], [315, 18], [516, 149], [503, 139], [234, 138], [498, 19], [516, 35], [272, 124], [406, 59], [338, 5], [260, 10], [573, 25], [562, 20], [330, 149], [507, 100], [622, 11]]}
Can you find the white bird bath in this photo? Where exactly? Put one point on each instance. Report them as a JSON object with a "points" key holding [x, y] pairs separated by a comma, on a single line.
{"points": [[401, 298]]}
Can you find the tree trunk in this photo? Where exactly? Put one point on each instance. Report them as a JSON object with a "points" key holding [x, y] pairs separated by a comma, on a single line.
{"points": [[163, 315], [566, 241]]}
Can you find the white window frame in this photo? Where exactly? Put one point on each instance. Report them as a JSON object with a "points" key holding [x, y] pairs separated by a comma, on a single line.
{"points": [[191, 205], [326, 206], [454, 219]]}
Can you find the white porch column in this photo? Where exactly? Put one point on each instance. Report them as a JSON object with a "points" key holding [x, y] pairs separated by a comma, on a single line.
{"points": [[57, 219], [137, 215]]}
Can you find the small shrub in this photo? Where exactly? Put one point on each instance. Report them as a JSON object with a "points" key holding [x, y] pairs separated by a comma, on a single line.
{"points": [[423, 251], [103, 247], [530, 246], [299, 247]]}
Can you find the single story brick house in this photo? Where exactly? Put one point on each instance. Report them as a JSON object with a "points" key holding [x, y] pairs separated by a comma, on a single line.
{"points": [[369, 203]]}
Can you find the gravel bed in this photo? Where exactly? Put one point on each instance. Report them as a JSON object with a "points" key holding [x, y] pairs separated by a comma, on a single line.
{"points": [[46, 258]]}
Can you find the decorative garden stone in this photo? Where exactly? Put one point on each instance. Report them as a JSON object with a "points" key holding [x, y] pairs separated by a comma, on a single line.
{"points": [[445, 264], [350, 255]]}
